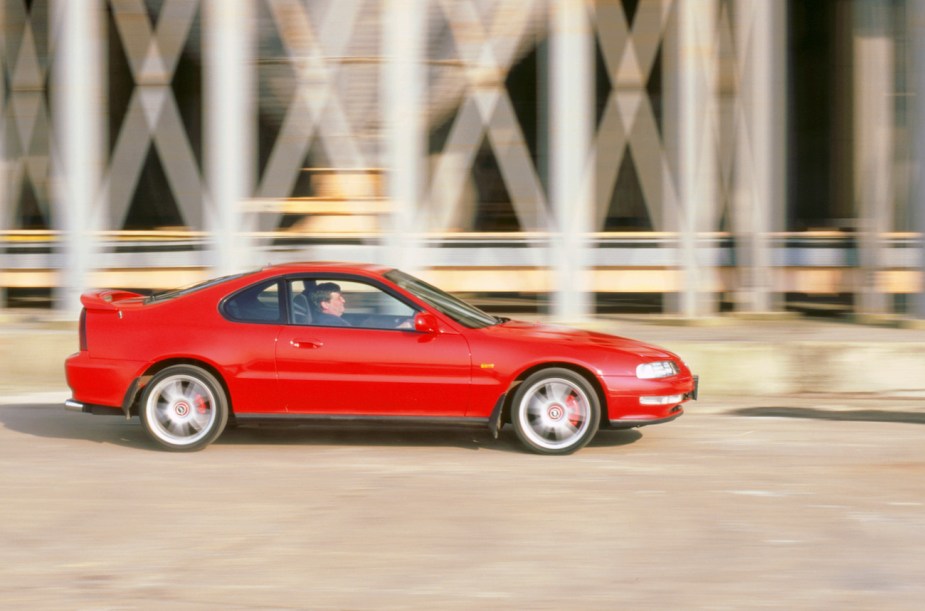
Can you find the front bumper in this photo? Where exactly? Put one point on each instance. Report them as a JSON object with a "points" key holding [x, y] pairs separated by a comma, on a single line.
{"points": [[629, 423], [632, 402]]}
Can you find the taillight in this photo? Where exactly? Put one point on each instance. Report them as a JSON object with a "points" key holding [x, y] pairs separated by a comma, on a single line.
{"points": [[83, 330]]}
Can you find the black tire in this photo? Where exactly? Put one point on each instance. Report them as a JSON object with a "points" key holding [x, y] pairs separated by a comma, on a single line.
{"points": [[555, 411], [184, 408]]}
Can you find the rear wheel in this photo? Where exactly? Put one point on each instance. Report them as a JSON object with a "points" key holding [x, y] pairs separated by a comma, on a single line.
{"points": [[184, 408], [555, 411]]}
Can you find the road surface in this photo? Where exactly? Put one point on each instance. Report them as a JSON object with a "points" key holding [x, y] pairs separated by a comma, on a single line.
{"points": [[750, 504]]}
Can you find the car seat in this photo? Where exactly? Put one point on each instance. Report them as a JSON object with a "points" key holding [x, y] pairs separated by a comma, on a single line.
{"points": [[301, 312]]}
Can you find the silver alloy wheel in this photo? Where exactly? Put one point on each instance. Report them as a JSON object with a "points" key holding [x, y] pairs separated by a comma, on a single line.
{"points": [[180, 410], [555, 413]]}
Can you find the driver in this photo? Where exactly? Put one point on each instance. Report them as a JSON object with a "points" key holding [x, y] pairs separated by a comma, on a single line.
{"points": [[329, 303]]}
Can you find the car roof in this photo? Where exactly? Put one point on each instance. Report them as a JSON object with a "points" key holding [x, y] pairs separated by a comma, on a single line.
{"points": [[327, 266]]}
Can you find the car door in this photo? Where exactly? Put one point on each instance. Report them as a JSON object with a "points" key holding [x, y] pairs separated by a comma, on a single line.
{"points": [[373, 363], [245, 346]]}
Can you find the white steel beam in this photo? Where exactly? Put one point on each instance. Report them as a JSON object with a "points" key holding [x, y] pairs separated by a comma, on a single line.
{"points": [[628, 124], [153, 115], [230, 100], [318, 111], [571, 128], [403, 82], [487, 46], [78, 111], [916, 23], [760, 147], [873, 153], [5, 196], [698, 163], [4, 155]]}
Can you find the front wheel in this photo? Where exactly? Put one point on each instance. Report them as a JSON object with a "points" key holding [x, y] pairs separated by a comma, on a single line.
{"points": [[184, 408], [555, 411]]}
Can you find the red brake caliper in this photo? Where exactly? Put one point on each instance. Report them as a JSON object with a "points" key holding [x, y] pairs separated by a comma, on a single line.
{"points": [[574, 415], [201, 406]]}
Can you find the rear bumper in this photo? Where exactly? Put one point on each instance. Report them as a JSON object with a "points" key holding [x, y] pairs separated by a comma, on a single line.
{"points": [[101, 382]]}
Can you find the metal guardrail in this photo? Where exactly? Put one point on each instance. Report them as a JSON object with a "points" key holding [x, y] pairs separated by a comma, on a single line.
{"points": [[643, 262]]}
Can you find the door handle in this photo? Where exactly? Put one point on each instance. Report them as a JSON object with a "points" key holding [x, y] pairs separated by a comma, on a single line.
{"points": [[306, 343]]}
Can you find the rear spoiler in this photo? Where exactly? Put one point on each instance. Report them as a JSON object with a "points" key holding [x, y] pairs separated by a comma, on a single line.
{"points": [[105, 299]]}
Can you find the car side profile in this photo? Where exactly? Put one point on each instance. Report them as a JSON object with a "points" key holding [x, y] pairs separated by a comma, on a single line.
{"points": [[336, 341]]}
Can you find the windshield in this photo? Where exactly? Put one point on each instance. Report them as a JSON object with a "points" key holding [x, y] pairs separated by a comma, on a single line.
{"points": [[443, 302], [191, 288]]}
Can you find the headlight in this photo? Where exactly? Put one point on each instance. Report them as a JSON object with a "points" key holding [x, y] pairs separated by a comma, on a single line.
{"points": [[658, 369]]}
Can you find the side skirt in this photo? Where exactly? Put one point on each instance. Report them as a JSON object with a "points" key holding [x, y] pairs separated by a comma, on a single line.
{"points": [[308, 419]]}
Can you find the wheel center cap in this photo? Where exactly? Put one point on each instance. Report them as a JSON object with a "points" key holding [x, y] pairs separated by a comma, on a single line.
{"points": [[555, 412], [181, 408]]}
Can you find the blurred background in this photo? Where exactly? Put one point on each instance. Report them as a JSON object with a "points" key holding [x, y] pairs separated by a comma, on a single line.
{"points": [[569, 158]]}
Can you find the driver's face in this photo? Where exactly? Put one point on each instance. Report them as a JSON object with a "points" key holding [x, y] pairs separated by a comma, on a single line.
{"points": [[335, 305]]}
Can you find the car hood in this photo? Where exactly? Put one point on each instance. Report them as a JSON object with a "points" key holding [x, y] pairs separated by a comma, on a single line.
{"points": [[579, 338]]}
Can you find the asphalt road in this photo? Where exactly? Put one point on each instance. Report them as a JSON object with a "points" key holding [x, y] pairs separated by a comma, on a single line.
{"points": [[753, 504]]}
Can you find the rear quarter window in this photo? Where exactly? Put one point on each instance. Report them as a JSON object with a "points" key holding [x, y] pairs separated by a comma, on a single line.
{"points": [[260, 304]]}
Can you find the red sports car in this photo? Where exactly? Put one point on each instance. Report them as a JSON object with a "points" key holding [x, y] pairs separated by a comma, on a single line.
{"points": [[334, 340]]}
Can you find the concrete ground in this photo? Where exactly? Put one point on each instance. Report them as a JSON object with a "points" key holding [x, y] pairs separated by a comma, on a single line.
{"points": [[743, 503]]}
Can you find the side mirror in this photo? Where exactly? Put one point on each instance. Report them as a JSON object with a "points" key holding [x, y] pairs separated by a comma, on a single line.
{"points": [[425, 322]]}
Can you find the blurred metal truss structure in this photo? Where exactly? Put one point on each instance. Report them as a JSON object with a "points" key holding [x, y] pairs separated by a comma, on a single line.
{"points": [[540, 147]]}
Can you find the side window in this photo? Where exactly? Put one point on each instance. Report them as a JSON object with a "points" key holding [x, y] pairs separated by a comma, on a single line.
{"points": [[256, 304], [335, 302]]}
